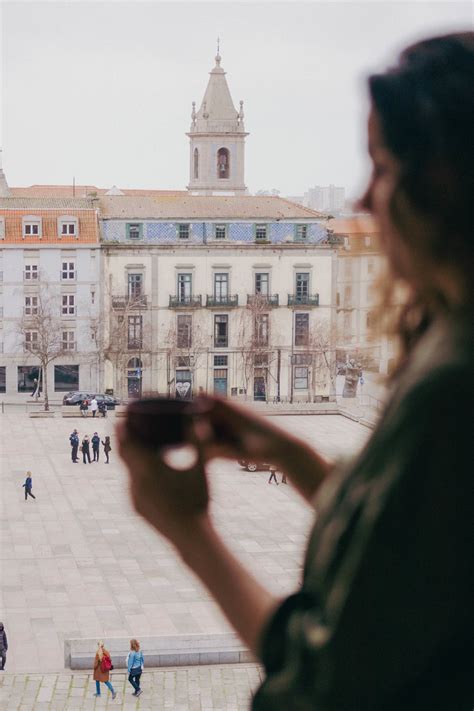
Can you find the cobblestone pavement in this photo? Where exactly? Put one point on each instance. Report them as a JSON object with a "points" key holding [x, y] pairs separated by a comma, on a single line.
{"points": [[78, 562], [225, 687]]}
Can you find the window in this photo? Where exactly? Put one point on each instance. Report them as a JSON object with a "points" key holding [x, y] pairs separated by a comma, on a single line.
{"points": [[31, 340], [27, 375], [301, 378], [261, 233], [301, 232], [262, 281], [69, 340], [220, 231], [221, 286], [31, 305], [68, 305], [31, 227], [221, 331], [183, 231], [31, 272], [184, 288], [135, 286], [260, 360], [184, 331], [183, 384], [223, 163], [134, 230], [68, 271], [301, 329], [135, 334], [2, 232], [68, 226], [196, 164], [220, 361], [302, 286], [3, 379], [301, 359], [370, 266], [261, 330], [66, 378]]}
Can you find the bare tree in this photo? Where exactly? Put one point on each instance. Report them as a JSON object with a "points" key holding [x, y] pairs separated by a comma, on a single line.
{"points": [[41, 332], [185, 346], [319, 353], [256, 342]]}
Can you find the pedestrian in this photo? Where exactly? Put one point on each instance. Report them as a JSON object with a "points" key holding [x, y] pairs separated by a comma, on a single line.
{"points": [[85, 448], [95, 446], [84, 406], [382, 617], [28, 486], [3, 646], [74, 440], [35, 386], [273, 471], [103, 408], [107, 448], [135, 664], [94, 406], [102, 667], [283, 478]]}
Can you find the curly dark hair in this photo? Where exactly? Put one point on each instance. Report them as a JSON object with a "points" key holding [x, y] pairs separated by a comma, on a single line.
{"points": [[425, 105]]}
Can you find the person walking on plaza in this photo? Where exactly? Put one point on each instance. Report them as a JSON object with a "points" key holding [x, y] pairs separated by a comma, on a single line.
{"points": [[107, 448], [28, 486], [95, 447], [3, 646], [94, 406], [273, 471], [102, 668], [74, 440], [84, 406], [135, 664], [86, 453]]}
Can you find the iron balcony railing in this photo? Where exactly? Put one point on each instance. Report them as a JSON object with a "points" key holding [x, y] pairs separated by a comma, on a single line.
{"points": [[263, 299], [129, 302], [185, 302], [222, 302], [303, 299]]}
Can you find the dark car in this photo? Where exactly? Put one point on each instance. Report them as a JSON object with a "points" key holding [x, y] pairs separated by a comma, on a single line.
{"points": [[254, 466], [76, 397]]}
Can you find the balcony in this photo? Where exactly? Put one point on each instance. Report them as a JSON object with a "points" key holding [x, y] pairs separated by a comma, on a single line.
{"points": [[222, 302], [138, 301], [135, 344], [306, 300], [185, 302], [270, 300]]}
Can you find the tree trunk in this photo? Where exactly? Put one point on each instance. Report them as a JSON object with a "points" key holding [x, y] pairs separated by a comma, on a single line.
{"points": [[44, 367]]}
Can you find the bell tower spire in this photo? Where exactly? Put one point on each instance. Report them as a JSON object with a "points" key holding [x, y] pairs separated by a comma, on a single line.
{"points": [[217, 139]]}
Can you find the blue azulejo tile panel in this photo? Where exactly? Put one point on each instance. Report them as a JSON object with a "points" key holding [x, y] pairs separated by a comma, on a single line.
{"points": [[317, 233]]}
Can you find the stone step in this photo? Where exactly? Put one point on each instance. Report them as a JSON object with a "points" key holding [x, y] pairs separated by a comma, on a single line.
{"points": [[166, 651]]}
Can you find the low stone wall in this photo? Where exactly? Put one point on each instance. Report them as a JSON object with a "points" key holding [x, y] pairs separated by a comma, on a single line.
{"points": [[175, 650]]}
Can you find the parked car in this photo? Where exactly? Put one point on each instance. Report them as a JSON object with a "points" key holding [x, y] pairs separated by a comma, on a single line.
{"points": [[76, 397], [254, 466]]}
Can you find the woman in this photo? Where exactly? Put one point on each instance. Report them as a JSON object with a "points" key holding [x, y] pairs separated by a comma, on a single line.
{"points": [[135, 664], [86, 451], [84, 407], [102, 666], [383, 618], [107, 448]]}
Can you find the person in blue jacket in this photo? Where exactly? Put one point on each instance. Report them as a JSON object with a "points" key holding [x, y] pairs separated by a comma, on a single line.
{"points": [[135, 664], [28, 486]]}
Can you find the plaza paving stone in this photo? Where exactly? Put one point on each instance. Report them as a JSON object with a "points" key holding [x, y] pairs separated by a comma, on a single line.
{"points": [[79, 562]]}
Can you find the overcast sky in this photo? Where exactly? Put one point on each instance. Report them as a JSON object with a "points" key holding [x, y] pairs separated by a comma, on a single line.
{"points": [[103, 91]]}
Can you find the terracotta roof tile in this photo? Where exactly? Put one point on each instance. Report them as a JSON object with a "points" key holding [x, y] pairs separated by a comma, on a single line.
{"points": [[82, 191], [87, 221], [45, 203], [359, 224]]}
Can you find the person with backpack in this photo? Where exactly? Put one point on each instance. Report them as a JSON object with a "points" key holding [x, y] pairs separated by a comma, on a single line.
{"points": [[3, 646], [135, 664], [85, 447], [74, 440], [102, 668], [107, 448], [28, 486], [95, 447]]}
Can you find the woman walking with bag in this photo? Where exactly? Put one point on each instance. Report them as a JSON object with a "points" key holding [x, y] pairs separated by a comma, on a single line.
{"points": [[135, 663], [107, 448], [102, 667]]}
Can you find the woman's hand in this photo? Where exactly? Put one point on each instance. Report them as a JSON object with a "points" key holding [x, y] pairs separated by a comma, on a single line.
{"points": [[173, 501]]}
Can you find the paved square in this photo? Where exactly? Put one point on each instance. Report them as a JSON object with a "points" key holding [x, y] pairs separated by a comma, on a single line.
{"points": [[78, 562]]}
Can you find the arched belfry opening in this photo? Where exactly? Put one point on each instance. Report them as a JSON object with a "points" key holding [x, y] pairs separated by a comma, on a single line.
{"points": [[196, 164], [223, 163]]}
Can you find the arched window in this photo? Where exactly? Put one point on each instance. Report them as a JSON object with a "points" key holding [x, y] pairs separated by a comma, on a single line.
{"points": [[196, 164], [223, 163], [134, 377], [134, 363]]}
